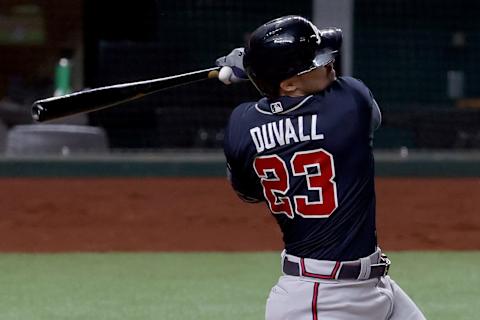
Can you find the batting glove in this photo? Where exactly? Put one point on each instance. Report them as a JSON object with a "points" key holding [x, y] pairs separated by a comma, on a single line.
{"points": [[232, 67]]}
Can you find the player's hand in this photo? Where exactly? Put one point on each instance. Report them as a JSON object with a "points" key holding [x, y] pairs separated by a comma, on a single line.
{"points": [[232, 67]]}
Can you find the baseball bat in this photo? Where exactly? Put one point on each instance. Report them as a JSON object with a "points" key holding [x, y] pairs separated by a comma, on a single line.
{"points": [[109, 96]]}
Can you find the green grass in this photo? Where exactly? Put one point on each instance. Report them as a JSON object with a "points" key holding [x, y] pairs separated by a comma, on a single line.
{"points": [[446, 285]]}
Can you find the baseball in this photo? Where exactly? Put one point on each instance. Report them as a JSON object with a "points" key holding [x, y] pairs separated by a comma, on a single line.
{"points": [[225, 75]]}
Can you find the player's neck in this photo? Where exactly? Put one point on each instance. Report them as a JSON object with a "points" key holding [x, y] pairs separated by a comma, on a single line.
{"points": [[308, 83], [295, 94]]}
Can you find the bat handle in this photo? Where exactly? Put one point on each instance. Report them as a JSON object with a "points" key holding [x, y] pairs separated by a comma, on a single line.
{"points": [[213, 74]]}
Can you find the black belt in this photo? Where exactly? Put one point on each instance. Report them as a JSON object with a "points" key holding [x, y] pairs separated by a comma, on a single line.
{"points": [[348, 271]]}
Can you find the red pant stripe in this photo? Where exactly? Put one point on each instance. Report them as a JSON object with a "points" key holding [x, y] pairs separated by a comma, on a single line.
{"points": [[315, 300]]}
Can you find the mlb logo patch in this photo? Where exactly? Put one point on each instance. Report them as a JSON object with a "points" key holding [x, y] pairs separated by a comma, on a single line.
{"points": [[276, 107]]}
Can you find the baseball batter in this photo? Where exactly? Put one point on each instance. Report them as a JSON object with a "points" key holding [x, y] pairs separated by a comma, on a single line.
{"points": [[305, 149]]}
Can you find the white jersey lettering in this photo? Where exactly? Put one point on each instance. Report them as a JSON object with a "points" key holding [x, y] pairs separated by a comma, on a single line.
{"points": [[257, 139], [315, 136], [290, 131], [300, 130], [279, 135], [268, 139], [282, 132]]}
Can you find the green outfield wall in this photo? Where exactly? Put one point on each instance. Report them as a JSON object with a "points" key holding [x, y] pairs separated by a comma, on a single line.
{"points": [[171, 164]]}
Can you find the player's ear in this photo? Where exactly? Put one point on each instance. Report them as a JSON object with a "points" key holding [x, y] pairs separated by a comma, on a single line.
{"points": [[288, 86]]}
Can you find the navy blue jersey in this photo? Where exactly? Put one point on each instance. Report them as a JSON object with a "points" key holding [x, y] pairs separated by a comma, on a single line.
{"points": [[310, 159]]}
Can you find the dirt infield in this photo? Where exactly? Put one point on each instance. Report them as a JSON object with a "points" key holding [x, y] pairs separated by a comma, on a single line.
{"points": [[190, 214]]}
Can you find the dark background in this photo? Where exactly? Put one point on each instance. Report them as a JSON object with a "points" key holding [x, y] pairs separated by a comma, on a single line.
{"points": [[403, 50]]}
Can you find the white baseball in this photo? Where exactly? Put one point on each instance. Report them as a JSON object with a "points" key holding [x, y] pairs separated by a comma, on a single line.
{"points": [[225, 75]]}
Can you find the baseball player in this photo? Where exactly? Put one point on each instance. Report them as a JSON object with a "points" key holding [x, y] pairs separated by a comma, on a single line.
{"points": [[305, 149]]}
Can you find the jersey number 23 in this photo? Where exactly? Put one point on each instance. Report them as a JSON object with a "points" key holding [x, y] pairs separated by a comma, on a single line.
{"points": [[275, 179]]}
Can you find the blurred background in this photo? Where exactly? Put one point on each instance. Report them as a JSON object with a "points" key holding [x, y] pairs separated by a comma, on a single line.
{"points": [[417, 56], [149, 175]]}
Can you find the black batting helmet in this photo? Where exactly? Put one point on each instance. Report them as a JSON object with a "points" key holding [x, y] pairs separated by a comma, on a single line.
{"points": [[287, 46]]}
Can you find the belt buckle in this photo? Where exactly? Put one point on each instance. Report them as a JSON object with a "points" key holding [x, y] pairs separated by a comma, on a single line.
{"points": [[387, 262]]}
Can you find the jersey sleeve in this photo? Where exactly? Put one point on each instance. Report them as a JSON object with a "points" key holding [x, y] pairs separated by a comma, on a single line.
{"points": [[365, 95], [376, 116], [239, 163], [241, 189]]}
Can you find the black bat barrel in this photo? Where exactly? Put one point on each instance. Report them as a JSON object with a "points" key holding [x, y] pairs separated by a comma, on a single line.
{"points": [[105, 97]]}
